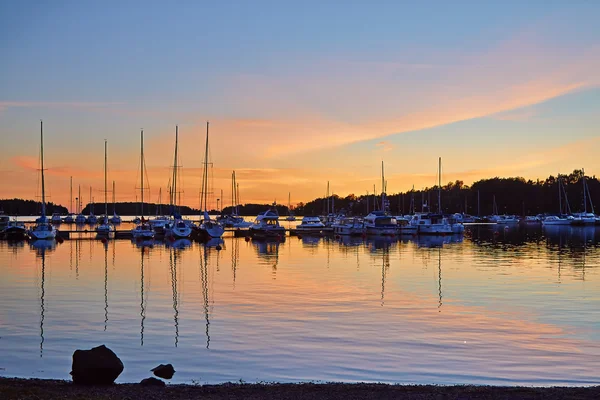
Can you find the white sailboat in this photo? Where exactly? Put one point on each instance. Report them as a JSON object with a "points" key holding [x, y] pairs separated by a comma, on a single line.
{"points": [[433, 223], [564, 218], [91, 219], [142, 230], [70, 218], [379, 222], [208, 228], [177, 227], [115, 219], [43, 229], [290, 217], [585, 217], [105, 228], [80, 218]]}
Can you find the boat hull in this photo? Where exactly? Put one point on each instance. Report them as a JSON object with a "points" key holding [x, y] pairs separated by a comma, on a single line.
{"points": [[42, 235]]}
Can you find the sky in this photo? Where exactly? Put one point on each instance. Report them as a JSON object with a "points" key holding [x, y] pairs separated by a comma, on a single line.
{"points": [[297, 94]]}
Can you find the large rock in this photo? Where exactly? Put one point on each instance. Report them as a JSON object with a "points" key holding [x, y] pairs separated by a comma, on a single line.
{"points": [[164, 371], [98, 366], [152, 382]]}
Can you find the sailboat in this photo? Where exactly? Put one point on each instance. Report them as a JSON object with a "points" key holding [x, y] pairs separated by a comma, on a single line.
{"points": [[433, 223], [585, 217], [105, 228], [91, 219], [379, 222], [70, 216], [176, 228], [80, 218], [159, 222], [234, 220], [142, 230], [43, 229], [208, 228], [290, 217], [564, 218], [115, 219]]}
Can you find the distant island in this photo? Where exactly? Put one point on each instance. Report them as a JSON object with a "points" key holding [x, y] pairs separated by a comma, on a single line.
{"points": [[29, 207], [515, 196]]}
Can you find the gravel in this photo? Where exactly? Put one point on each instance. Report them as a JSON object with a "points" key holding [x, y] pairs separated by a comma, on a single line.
{"points": [[14, 388]]}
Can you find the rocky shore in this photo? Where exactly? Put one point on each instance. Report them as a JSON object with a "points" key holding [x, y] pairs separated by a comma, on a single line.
{"points": [[14, 388]]}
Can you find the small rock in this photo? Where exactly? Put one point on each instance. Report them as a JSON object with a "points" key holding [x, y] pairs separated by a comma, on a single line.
{"points": [[152, 382], [98, 366], [164, 371]]}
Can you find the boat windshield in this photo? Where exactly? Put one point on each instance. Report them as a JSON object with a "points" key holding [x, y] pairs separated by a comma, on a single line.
{"points": [[385, 221]]}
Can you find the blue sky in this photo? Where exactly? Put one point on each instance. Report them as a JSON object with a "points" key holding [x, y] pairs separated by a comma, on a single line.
{"points": [[298, 94]]}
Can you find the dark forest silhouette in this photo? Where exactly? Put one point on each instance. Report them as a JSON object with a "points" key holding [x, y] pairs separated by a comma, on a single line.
{"points": [[513, 196]]}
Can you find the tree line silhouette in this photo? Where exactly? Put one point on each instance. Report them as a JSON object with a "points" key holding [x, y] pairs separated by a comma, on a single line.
{"points": [[513, 196]]}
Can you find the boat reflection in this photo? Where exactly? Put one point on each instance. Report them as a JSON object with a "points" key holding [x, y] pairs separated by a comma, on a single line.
{"points": [[42, 246], [310, 241], [268, 253], [141, 244], [435, 241], [173, 258], [204, 279], [380, 243], [179, 243], [42, 256]]}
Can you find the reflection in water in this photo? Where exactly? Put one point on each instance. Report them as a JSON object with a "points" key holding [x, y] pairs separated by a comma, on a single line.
{"points": [[142, 307], [105, 285], [440, 278], [268, 253], [43, 292], [173, 267], [235, 256], [204, 281], [505, 306]]}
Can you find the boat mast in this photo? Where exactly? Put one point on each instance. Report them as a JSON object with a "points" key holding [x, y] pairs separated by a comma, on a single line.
{"points": [[327, 197], [382, 188], [205, 175], [105, 183], [478, 211], [237, 198], [91, 212], [113, 196], [42, 162], [560, 195], [584, 193], [71, 196], [142, 175], [440, 185], [174, 184], [80, 201]]}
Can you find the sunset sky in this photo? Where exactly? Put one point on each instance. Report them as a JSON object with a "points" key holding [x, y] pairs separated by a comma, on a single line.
{"points": [[297, 94]]}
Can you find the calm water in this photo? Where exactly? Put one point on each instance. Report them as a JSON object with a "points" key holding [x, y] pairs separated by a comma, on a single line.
{"points": [[497, 307]]}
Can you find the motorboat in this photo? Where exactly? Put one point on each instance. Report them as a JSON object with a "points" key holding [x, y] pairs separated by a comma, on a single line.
{"points": [[234, 221], [456, 224], [310, 225], [532, 220], [267, 225], [504, 219], [380, 223], [43, 229], [14, 230], [349, 226], [431, 224], [404, 225]]}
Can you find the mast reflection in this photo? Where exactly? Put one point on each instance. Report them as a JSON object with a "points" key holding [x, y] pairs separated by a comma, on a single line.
{"points": [[204, 281], [173, 268]]}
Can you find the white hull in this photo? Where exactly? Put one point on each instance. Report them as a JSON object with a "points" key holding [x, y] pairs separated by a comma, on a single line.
{"points": [[215, 231], [407, 230], [179, 233], [105, 230], [43, 235], [562, 222], [80, 219]]}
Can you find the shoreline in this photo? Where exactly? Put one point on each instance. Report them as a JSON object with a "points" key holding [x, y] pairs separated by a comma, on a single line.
{"points": [[21, 388]]}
